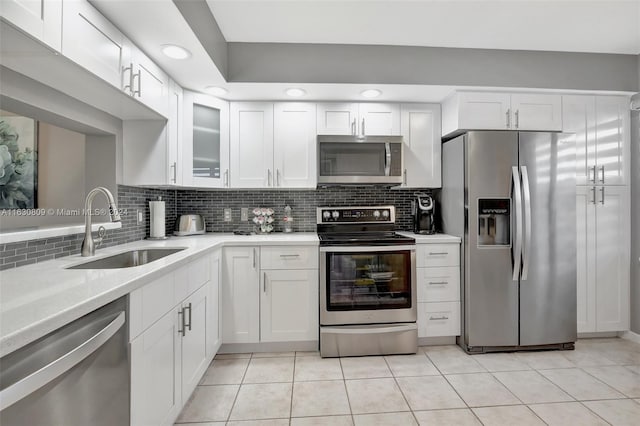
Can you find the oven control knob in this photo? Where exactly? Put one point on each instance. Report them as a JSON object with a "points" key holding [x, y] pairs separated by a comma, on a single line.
{"points": [[326, 214], [385, 213], [335, 214], [376, 213]]}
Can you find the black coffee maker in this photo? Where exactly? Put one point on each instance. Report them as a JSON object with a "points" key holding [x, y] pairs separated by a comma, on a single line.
{"points": [[423, 211]]}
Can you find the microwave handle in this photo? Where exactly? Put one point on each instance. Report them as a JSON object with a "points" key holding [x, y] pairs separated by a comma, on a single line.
{"points": [[387, 159]]}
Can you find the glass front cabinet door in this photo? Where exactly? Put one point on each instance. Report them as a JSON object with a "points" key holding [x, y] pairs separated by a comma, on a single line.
{"points": [[206, 136]]}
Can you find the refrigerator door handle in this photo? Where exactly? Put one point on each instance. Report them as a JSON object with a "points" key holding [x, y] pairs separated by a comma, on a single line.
{"points": [[517, 241], [526, 246]]}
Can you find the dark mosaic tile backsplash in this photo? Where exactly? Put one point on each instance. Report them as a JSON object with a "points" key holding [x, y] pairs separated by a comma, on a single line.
{"points": [[210, 204], [303, 203], [130, 199]]}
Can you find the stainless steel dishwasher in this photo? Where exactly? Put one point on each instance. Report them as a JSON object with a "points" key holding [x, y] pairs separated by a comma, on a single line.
{"points": [[76, 375]]}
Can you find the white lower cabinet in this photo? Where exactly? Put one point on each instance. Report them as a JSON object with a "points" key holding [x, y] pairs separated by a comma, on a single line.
{"points": [[289, 305], [270, 294], [438, 285], [171, 349], [240, 296], [603, 254], [155, 373]]}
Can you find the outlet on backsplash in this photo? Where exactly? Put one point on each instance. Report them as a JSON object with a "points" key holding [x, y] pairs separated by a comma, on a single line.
{"points": [[227, 215], [244, 214]]}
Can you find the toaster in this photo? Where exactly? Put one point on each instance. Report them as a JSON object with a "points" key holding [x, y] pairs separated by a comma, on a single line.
{"points": [[189, 224]]}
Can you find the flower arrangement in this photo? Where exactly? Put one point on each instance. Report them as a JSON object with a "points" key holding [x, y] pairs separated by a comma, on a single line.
{"points": [[263, 219]]}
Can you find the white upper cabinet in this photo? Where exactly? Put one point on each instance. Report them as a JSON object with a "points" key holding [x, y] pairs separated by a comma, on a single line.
{"points": [[146, 81], [294, 145], [372, 119], [337, 118], [94, 43], [579, 117], [252, 145], [175, 129], [501, 111], [205, 153], [422, 146], [41, 19], [376, 119], [273, 145], [601, 125], [484, 111]]}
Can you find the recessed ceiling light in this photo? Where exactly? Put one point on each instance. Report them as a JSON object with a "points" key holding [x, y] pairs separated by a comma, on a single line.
{"points": [[371, 93], [295, 93], [175, 52], [216, 91]]}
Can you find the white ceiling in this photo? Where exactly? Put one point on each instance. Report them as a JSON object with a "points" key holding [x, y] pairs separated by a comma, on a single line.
{"points": [[152, 23], [608, 26]]}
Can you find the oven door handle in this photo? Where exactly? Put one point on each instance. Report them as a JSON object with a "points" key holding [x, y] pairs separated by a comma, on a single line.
{"points": [[365, 249], [368, 330]]}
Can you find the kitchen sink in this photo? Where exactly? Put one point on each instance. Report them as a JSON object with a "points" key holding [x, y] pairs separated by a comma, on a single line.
{"points": [[128, 259]]}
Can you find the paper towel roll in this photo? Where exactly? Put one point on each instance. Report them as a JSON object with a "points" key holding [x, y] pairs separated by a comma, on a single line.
{"points": [[156, 209]]}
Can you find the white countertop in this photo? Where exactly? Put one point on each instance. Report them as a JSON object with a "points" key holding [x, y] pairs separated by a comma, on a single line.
{"points": [[39, 298], [432, 239]]}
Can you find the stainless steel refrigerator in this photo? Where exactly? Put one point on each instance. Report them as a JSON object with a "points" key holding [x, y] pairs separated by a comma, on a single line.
{"points": [[510, 196]]}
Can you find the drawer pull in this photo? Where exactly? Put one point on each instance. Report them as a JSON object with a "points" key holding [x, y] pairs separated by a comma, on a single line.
{"points": [[438, 282], [289, 255], [438, 318], [443, 253]]}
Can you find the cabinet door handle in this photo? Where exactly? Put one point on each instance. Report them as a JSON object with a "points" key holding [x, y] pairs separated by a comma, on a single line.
{"points": [[183, 330], [508, 114], [517, 118], [443, 317], [278, 177], [593, 195], [592, 169], [269, 178], [602, 195], [443, 253], [601, 174], [174, 166], [189, 308], [438, 282], [226, 178], [254, 258], [353, 127], [363, 133], [128, 87], [139, 90], [264, 282], [404, 177]]}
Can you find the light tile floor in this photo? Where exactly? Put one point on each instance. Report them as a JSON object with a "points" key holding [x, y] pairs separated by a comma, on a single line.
{"points": [[597, 384]]}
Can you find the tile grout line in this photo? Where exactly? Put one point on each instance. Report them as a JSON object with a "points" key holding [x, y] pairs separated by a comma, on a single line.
{"points": [[235, 399], [454, 389], [395, 379], [344, 383]]}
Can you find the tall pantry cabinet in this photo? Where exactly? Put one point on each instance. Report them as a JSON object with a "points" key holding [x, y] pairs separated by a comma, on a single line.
{"points": [[601, 126]]}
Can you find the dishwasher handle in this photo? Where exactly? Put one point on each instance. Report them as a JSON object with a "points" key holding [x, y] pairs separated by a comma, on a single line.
{"points": [[56, 368]]}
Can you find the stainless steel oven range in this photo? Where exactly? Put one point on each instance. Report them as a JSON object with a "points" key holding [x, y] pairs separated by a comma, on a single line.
{"points": [[367, 283]]}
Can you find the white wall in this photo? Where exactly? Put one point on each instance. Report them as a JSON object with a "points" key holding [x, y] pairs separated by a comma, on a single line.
{"points": [[61, 174]]}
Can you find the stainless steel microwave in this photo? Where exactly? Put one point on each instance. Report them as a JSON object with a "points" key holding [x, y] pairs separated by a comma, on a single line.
{"points": [[360, 159]]}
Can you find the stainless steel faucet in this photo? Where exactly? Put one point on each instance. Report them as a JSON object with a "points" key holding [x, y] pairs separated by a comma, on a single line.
{"points": [[89, 244]]}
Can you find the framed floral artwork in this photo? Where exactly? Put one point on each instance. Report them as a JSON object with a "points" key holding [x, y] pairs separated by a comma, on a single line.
{"points": [[18, 161]]}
